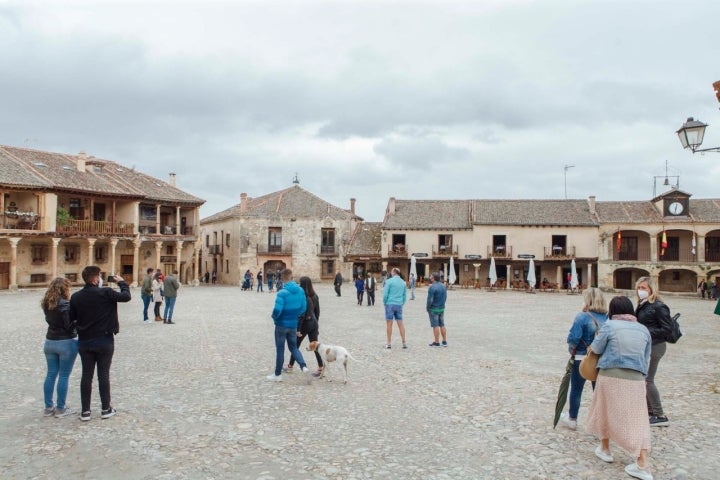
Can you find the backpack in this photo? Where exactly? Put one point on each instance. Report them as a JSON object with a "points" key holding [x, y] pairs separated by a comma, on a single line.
{"points": [[674, 334]]}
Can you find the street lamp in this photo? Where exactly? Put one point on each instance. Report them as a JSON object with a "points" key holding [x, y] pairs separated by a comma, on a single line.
{"points": [[692, 131]]}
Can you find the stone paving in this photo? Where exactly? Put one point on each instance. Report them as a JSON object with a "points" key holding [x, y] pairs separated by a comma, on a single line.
{"points": [[193, 401]]}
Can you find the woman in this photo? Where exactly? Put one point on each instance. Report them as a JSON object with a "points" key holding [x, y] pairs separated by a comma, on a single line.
{"points": [[655, 315], [157, 285], [360, 287], [308, 323], [582, 333], [617, 411], [61, 346]]}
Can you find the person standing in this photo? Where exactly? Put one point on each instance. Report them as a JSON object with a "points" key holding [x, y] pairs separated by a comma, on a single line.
{"points": [[655, 315], [214, 277], [61, 346], [370, 287], [413, 282], [270, 281], [618, 407], [435, 306], [394, 296], [714, 289], [308, 323], [582, 333], [360, 288], [157, 294], [260, 281], [338, 283], [94, 310], [170, 288], [146, 293], [290, 303], [702, 288]]}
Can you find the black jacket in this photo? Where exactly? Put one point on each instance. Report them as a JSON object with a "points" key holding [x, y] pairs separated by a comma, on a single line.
{"points": [[59, 325], [308, 321], [656, 317], [94, 310]]}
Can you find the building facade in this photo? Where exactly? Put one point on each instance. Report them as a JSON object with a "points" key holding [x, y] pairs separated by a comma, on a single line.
{"points": [[60, 213]]}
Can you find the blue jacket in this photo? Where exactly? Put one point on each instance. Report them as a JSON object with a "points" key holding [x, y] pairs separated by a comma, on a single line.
{"points": [[582, 332], [394, 291], [290, 303], [623, 344], [436, 297]]}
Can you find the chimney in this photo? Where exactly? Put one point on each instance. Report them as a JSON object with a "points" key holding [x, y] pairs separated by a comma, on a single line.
{"points": [[172, 179], [352, 206], [243, 202], [391, 206], [591, 203], [81, 157]]}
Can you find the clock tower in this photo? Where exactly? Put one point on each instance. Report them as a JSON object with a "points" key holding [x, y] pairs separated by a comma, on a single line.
{"points": [[674, 203]]}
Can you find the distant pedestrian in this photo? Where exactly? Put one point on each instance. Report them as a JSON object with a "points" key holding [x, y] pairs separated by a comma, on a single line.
{"points": [[270, 281], [435, 306], [157, 294], [259, 277], [146, 293], [338, 283], [207, 277], [413, 282], [394, 296], [370, 287], [714, 289], [61, 346], [360, 288], [170, 288], [702, 288], [214, 276]]}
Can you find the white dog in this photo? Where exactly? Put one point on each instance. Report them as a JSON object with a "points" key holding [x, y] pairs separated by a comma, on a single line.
{"points": [[331, 353]]}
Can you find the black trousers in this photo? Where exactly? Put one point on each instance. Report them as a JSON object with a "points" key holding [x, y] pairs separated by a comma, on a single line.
{"points": [[337, 289], [96, 352], [371, 297], [313, 338]]}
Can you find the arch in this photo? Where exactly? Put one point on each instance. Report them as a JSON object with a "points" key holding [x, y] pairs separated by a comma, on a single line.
{"points": [[625, 278], [679, 280]]}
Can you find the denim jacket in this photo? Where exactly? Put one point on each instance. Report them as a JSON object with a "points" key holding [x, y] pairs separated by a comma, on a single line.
{"points": [[582, 332], [623, 344]]}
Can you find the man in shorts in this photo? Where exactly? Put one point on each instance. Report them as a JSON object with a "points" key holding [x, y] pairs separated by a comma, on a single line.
{"points": [[394, 296], [437, 295]]}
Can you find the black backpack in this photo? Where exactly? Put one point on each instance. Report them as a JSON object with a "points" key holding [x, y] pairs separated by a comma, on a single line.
{"points": [[674, 334]]}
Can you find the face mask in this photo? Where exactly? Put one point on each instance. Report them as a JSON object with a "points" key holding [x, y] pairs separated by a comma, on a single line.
{"points": [[100, 282], [643, 294]]}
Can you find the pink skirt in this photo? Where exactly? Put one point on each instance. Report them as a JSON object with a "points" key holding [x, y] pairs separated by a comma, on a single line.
{"points": [[619, 412]]}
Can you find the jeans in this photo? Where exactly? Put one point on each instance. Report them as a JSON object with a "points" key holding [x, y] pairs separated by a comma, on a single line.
{"points": [[60, 356], [146, 304], [96, 351], [260, 286], [577, 383], [653, 395], [169, 307], [289, 335]]}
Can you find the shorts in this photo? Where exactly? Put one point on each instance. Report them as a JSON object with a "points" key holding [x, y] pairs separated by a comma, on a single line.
{"points": [[437, 319], [393, 312]]}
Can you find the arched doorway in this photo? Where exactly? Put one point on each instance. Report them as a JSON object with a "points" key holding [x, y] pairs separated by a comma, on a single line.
{"points": [[625, 278]]}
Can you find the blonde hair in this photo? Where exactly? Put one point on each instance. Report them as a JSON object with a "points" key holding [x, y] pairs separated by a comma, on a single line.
{"points": [[594, 301], [59, 288], [651, 286]]}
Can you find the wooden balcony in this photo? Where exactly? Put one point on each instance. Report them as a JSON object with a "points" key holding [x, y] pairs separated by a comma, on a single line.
{"points": [[641, 254], [499, 251], [280, 250], [14, 221], [398, 251], [558, 252], [328, 251], [95, 227], [444, 251]]}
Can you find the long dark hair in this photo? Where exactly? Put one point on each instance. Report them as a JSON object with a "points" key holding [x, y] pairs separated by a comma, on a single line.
{"points": [[306, 284]]}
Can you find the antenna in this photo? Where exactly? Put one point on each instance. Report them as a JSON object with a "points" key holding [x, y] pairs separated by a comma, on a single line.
{"points": [[666, 181], [567, 167], [296, 181]]}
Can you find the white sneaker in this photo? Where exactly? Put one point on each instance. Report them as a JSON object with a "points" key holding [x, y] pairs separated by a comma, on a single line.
{"points": [[308, 375], [567, 423], [634, 471], [604, 456], [274, 378]]}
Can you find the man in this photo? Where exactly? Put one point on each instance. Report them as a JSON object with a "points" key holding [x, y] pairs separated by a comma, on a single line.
{"points": [[170, 288], [259, 277], [338, 283], [394, 296], [290, 303], [146, 293], [413, 282], [370, 287], [437, 295], [94, 309]]}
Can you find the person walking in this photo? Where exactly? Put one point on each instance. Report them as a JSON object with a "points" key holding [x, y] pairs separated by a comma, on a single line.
{"points": [[655, 315], [618, 407], [370, 287], [61, 346], [146, 293], [586, 324], [360, 288], [170, 288], [338, 283], [435, 306], [214, 277], [413, 282], [702, 288], [394, 297], [270, 280], [290, 303], [260, 280], [157, 294], [94, 311], [308, 323]]}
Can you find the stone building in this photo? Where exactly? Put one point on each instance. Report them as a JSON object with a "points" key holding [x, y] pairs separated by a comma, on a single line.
{"points": [[291, 228], [59, 213]]}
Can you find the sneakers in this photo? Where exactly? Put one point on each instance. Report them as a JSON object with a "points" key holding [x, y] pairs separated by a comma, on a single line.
{"points": [[288, 369], [110, 412], [63, 412], [444, 343], [146, 321], [659, 421], [405, 346], [434, 345], [603, 455], [634, 471], [85, 416], [388, 346], [566, 422], [274, 378], [49, 412], [308, 376], [170, 322]]}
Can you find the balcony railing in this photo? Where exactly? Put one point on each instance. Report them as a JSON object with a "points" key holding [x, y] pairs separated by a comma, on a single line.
{"points": [[20, 222], [215, 249], [499, 251], [712, 255], [677, 255], [328, 251], [284, 249], [642, 254], [97, 227], [398, 250], [444, 250], [559, 252]]}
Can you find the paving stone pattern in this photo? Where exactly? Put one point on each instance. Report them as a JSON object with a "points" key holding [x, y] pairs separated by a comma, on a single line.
{"points": [[193, 401]]}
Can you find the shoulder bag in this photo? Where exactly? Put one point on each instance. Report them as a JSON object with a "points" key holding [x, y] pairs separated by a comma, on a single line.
{"points": [[588, 366]]}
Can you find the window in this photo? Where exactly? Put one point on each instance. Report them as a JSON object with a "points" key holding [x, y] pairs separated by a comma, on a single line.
{"points": [[274, 239], [37, 278], [39, 253], [207, 240], [499, 245], [169, 250], [398, 243], [148, 212], [445, 242], [72, 253], [559, 244], [101, 253], [628, 248], [328, 268], [227, 266], [327, 241], [75, 210], [227, 239]]}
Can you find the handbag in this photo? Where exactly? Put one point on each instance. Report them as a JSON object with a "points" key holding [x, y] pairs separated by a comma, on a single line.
{"points": [[588, 366]]}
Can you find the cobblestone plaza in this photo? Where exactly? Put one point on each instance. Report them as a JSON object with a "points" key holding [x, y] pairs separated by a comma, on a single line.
{"points": [[193, 401]]}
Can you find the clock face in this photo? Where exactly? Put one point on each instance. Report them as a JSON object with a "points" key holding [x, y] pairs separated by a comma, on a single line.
{"points": [[675, 208]]}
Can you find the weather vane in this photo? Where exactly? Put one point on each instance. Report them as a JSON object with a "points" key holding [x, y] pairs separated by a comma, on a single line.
{"points": [[296, 181]]}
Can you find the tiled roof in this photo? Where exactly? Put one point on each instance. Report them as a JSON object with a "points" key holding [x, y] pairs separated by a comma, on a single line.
{"points": [[533, 212], [34, 169], [429, 215], [366, 239], [627, 212], [291, 202], [705, 209]]}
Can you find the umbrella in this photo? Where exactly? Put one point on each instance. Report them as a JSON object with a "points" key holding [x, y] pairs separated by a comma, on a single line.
{"points": [[493, 273], [573, 275], [563, 391], [451, 273], [531, 274], [413, 265]]}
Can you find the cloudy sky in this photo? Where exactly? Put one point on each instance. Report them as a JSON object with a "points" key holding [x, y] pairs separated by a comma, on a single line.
{"points": [[371, 99]]}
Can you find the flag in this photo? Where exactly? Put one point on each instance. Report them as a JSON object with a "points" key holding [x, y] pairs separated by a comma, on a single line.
{"points": [[663, 244], [694, 244], [619, 240]]}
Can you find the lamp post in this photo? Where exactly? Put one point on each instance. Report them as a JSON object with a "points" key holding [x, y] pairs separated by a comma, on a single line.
{"points": [[692, 132]]}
